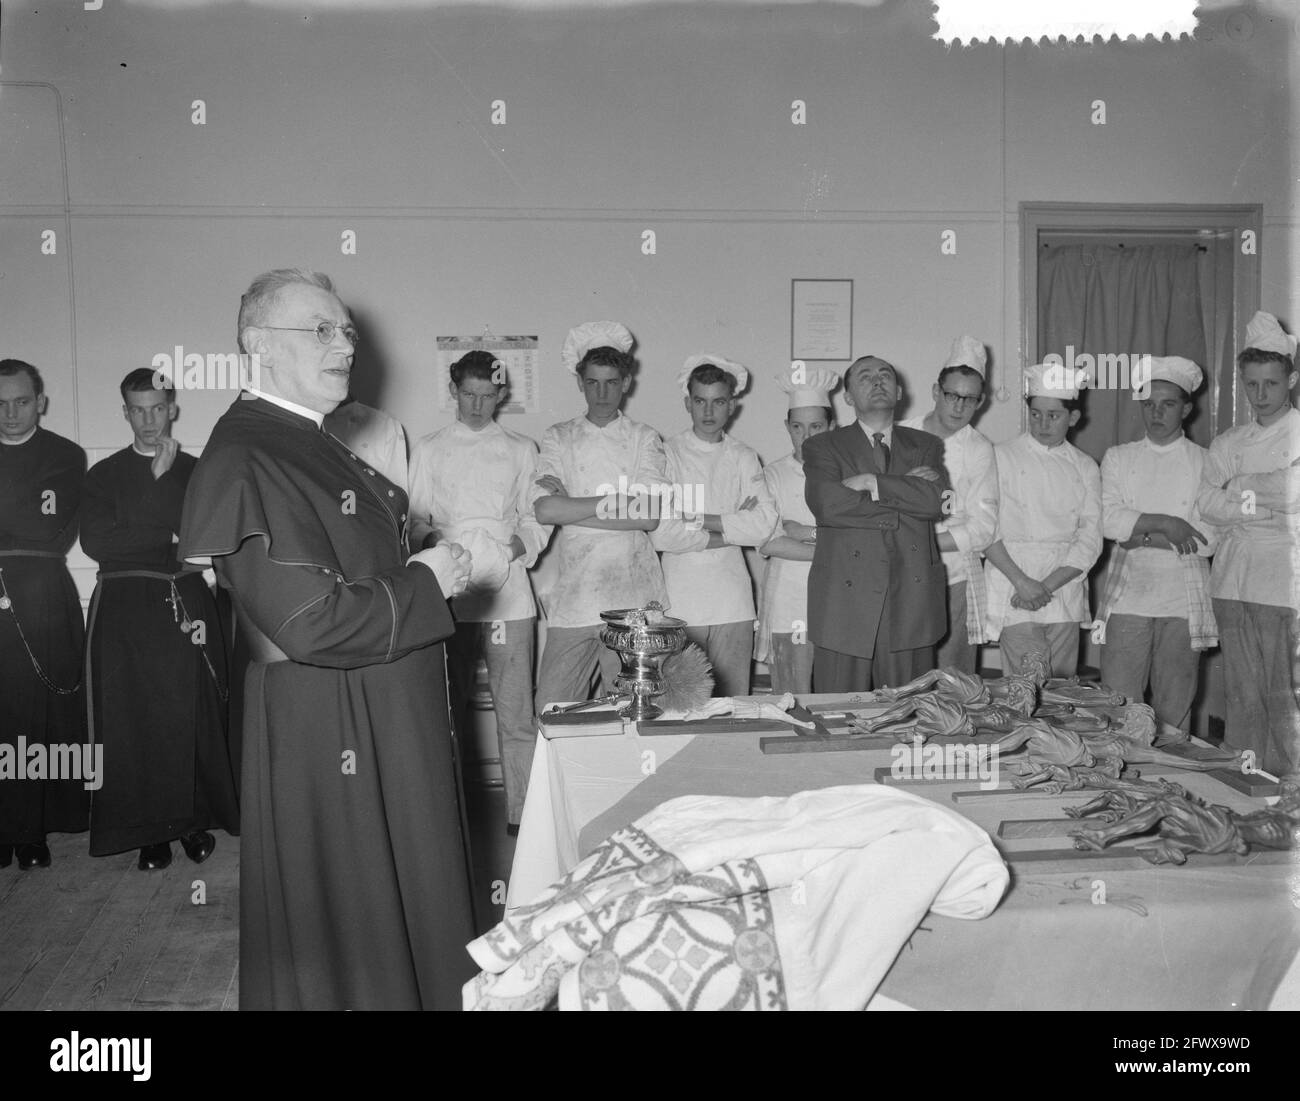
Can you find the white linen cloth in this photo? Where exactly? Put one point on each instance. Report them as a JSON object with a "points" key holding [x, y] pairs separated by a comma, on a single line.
{"points": [[1257, 548], [712, 902], [783, 597], [1049, 515], [461, 481], [750, 707], [714, 586], [1143, 477]]}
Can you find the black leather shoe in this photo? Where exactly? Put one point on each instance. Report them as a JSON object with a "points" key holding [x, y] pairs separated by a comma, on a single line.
{"points": [[6, 855], [198, 846], [155, 857], [33, 856]]}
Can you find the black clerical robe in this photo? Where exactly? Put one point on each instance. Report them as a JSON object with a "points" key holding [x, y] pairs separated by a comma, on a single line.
{"points": [[156, 664], [354, 882], [41, 633]]}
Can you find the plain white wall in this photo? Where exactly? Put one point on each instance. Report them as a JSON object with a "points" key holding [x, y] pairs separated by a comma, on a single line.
{"points": [[672, 118]]}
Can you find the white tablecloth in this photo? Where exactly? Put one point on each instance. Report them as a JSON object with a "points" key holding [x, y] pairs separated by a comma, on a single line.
{"points": [[576, 780], [573, 781]]}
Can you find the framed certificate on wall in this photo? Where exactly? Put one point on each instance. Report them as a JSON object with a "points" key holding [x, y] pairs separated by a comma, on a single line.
{"points": [[821, 319]]}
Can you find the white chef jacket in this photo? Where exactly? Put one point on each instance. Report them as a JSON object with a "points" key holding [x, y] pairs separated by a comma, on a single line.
{"points": [[713, 586], [600, 570], [1143, 477], [462, 479], [969, 458], [783, 600], [1257, 560], [371, 435], [1049, 515]]}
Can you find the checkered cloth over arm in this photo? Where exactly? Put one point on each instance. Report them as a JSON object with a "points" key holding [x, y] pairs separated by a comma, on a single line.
{"points": [[977, 601]]}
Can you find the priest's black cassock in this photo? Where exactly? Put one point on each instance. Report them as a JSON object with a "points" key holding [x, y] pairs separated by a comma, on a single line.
{"points": [[158, 689], [354, 884], [41, 632]]}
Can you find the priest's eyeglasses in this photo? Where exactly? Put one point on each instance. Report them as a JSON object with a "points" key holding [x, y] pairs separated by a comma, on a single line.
{"points": [[324, 331], [959, 401]]}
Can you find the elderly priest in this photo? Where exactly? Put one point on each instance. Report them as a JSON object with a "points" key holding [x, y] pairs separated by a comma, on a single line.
{"points": [[354, 889]]}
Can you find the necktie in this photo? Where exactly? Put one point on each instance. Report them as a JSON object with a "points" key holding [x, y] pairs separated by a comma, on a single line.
{"points": [[880, 452]]}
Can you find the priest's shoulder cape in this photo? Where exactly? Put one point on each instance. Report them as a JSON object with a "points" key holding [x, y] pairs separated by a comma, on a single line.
{"points": [[335, 522]]}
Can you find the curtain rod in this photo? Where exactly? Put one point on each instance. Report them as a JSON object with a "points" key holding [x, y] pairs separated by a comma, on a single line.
{"points": [[1111, 237], [1131, 232]]}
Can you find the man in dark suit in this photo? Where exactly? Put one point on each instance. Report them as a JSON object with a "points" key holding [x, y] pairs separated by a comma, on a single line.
{"points": [[877, 586]]}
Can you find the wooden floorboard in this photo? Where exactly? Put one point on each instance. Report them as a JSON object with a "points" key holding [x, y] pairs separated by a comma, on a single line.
{"points": [[122, 941], [195, 961], [45, 914], [98, 933]]}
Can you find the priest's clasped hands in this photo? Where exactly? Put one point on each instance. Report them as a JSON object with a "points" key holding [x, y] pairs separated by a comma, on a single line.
{"points": [[451, 565]]}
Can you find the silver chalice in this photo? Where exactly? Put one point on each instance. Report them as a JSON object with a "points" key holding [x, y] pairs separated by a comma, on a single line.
{"points": [[643, 639]]}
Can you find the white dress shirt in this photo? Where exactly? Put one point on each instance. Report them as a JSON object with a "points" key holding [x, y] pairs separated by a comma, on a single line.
{"points": [[713, 586], [1049, 515], [972, 467], [462, 479], [598, 569], [1143, 477], [1257, 560], [887, 434]]}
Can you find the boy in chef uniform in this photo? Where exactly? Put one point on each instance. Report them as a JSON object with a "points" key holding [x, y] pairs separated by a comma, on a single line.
{"points": [[1155, 612], [1250, 489], [1049, 529], [782, 638], [595, 477], [973, 509], [471, 483], [721, 487]]}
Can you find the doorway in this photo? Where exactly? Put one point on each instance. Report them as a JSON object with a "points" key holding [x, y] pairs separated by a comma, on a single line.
{"points": [[1118, 281]]}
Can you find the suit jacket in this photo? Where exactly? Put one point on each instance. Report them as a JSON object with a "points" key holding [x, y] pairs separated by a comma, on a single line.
{"points": [[875, 553]]}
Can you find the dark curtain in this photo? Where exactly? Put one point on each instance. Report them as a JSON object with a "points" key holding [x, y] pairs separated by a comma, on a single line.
{"points": [[1119, 299]]}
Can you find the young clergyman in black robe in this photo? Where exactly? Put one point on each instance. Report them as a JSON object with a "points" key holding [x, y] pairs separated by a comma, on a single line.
{"points": [[41, 631], [354, 889], [157, 668]]}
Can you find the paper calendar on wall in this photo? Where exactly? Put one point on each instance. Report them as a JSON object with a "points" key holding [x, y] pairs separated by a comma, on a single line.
{"points": [[518, 355]]}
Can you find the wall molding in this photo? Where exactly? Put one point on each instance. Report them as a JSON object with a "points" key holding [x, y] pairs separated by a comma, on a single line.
{"points": [[502, 214]]}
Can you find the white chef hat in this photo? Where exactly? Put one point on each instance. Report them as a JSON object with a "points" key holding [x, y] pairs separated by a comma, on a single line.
{"points": [[1181, 372], [1264, 332], [1052, 380], [808, 386], [593, 334], [968, 352], [735, 370]]}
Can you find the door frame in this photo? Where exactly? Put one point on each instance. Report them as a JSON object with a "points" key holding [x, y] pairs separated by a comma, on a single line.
{"points": [[1225, 409]]}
